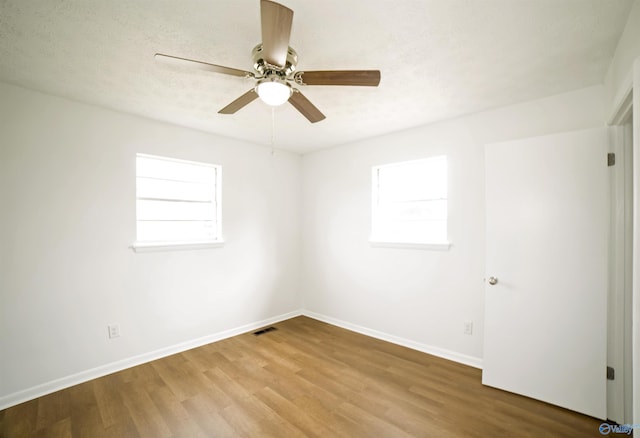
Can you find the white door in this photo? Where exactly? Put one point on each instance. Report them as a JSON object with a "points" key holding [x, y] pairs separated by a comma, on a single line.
{"points": [[547, 229]]}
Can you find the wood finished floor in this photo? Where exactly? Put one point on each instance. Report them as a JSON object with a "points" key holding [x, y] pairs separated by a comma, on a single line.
{"points": [[306, 378]]}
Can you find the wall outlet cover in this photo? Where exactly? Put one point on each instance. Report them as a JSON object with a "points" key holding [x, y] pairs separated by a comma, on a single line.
{"points": [[114, 331]]}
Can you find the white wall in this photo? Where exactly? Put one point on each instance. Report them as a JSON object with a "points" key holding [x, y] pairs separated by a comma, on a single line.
{"points": [[67, 218], [418, 297]]}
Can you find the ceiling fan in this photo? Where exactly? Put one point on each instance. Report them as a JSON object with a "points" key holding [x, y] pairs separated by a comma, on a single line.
{"points": [[274, 64]]}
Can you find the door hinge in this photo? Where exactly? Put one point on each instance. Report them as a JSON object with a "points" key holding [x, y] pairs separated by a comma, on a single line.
{"points": [[611, 159], [611, 373]]}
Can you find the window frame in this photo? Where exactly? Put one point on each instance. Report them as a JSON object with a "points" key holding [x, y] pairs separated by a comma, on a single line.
{"points": [[378, 239], [167, 245]]}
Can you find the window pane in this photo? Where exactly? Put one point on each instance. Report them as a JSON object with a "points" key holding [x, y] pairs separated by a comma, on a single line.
{"points": [[412, 211], [172, 231], [174, 170], [176, 200], [420, 180], [410, 201], [168, 210], [167, 189]]}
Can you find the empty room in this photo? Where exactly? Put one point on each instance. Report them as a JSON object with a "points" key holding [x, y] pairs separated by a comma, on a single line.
{"points": [[338, 218]]}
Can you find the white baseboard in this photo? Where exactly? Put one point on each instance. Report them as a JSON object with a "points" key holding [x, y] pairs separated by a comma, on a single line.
{"points": [[103, 370], [471, 361]]}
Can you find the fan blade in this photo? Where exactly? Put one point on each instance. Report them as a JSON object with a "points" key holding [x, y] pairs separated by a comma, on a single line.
{"points": [[184, 62], [276, 30], [307, 109], [368, 78], [240, 102]]}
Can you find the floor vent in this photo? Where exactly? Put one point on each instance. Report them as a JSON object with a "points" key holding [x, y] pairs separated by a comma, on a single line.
{"points": [[264, 330]]}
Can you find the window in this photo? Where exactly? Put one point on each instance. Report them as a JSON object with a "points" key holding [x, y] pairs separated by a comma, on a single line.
{"points": [[409, 203], [177, 202]]}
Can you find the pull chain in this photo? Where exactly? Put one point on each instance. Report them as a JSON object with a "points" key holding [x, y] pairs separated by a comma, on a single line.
{"points": [[273, 128]]}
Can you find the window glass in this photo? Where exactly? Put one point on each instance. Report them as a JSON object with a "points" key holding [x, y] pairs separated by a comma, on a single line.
{"points": [[177, 200], [409, 201]]}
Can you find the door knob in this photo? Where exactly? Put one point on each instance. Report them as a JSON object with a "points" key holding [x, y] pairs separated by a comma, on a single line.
{"points": [[493, 281]]}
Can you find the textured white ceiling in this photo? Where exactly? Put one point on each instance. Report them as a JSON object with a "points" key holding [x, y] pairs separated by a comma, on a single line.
{"points": [[438, 58]]}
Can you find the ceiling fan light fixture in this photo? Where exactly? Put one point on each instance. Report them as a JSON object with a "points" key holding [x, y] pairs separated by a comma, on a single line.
{"points": [[273, 91]]}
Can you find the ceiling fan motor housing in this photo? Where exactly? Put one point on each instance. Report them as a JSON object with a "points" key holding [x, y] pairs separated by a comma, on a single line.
{"points": [[265, 69]]}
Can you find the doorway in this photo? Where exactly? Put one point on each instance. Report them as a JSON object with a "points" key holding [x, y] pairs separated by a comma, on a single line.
{"points": [[620, 305]]}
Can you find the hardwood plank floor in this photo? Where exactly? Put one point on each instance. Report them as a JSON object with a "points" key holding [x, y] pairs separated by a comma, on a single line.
{"points": [[306, 378]]}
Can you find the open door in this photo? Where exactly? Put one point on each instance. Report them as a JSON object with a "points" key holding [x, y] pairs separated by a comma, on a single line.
{"points": [[547, 231]]}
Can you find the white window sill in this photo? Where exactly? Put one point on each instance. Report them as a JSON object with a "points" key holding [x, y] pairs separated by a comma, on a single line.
{"points": [[175, 246], [439, 246]]}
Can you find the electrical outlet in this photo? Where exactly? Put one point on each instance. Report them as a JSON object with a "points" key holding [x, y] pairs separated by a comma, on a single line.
{"points": [[468, 328], [114, 331]]}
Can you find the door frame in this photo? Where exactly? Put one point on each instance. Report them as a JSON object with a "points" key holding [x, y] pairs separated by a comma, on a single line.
{"points": [[636, 243], [623, 394], [619, 317]]}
